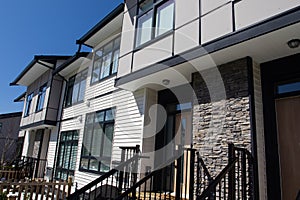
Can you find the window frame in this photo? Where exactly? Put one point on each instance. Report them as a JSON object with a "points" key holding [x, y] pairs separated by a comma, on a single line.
{"points": [[115, 50], [153, 9], [80, 77], [62, 142], [28, 103], [42, 93], [90, 128]]}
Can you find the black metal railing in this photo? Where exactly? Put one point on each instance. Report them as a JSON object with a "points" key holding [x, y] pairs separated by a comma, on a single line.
{"points": [[174, 179], [114, 182], [34, 167], [236, 180], [203, 177]]}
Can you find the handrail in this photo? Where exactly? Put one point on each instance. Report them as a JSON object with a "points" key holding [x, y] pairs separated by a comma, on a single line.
{"points": [[204, 166], [103, 177], [146, 178], [217, 180]]}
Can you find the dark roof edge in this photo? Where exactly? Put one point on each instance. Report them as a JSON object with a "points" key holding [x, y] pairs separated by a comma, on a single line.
{"points": [[113, 14], [18, 99], [48, 58], [70, 61], [10, 115]]}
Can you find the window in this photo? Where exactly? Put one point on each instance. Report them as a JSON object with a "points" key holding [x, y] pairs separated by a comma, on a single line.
{"points": [[76, 88], [155, 17], [288, 87], [106, 60], [97, 141], [0, 127], [28, 104], [41, 98], [67, 153]]}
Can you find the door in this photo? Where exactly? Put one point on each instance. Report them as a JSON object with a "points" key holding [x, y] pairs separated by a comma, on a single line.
{"points": [[183, 139], [288, 129]]}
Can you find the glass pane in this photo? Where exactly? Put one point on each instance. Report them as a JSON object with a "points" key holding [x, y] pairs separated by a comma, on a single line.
{"points": [[105, 68], [145, 5], [108, 48], [69, 136], [97, 141], [115, 61], [164, 18], [69, 96], [75, 93], [109, 115], [73, 157], [61, 155], [99, 117], [117, 43], [86, 145], [89, 119], [82, 90], [144, 28], [94, 165], [105, 166], [84, 163], [107, 144], [75, 135], [96, 70], [67, 156], [98, 54], [290, 87]]}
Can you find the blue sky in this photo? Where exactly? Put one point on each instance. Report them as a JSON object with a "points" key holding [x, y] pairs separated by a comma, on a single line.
{"points": [[35, 27]]}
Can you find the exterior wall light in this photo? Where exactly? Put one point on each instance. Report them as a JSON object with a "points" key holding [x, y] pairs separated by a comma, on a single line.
{"points": [[166, 81], [294, 43]]}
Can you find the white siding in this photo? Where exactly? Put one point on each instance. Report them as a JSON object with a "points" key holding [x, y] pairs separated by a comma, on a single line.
{"points": [[252, 11], [153, 53], [216, 24], [52, 148], [128, 118]]}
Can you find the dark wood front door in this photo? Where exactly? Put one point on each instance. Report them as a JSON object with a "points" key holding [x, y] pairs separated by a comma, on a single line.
{"points": [[288, 130]]}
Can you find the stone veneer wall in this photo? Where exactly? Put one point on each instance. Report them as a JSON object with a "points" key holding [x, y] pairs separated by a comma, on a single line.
{"points": [[217, 119]]}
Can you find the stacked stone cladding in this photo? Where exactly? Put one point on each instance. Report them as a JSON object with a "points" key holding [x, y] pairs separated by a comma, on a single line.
{"points": [[219, 120]]}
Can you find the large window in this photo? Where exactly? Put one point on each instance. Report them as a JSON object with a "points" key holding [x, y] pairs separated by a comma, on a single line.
{"points": [[155, 17], [97, 141], [106, 60], [76, 88], [28, 104], [67, 152], [41, 98]]}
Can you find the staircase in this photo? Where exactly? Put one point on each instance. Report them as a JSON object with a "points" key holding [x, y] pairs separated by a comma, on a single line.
{"points": [[184, 176], [114, 182]]}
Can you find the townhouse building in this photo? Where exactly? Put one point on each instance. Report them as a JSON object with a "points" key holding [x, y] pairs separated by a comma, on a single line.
{"points": [[175, 74], [41, 112]]}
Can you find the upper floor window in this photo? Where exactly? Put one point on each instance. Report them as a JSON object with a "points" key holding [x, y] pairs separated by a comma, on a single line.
{"points": [[76, 88], [155, 17], [106, 60], [97, 141], [28, 104], [41, 98], [0, 127]]}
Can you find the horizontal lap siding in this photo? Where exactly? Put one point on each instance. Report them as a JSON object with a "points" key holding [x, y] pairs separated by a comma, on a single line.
{"points": [[128, 119]]}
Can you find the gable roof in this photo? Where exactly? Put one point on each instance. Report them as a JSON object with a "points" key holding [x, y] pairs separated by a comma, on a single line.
{"points": [[114, 17], [39, 65]]}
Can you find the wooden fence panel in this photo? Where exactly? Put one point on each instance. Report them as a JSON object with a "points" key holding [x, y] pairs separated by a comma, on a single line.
{"points": [[36, 190]]}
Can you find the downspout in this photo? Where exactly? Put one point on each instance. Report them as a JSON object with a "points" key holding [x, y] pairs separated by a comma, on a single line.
{"points": [[59, 122]]}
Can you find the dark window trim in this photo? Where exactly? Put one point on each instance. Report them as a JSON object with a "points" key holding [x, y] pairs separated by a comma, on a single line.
{"points": [[28, 105], [73, 142], [156, 4], [40, 93], [115, 47], [91, 157], [71, 87]]}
